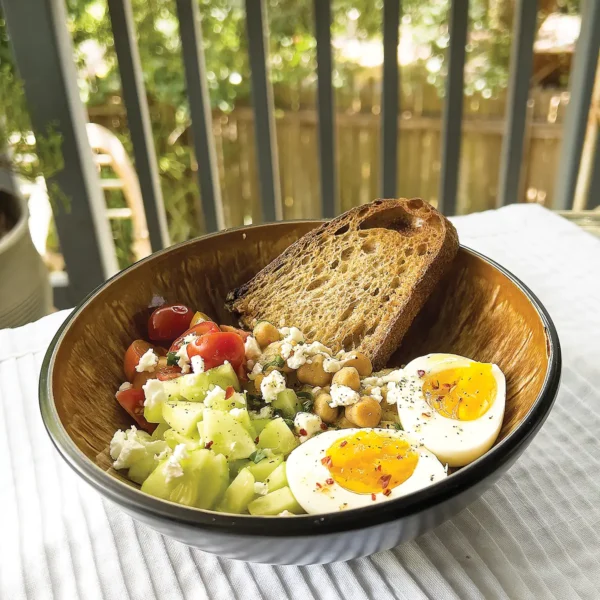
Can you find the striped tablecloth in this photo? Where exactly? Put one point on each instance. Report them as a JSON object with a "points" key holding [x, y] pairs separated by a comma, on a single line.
{"points": [[536, 534]]}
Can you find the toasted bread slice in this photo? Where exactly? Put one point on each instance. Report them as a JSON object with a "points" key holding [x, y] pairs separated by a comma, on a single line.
{"points": [[356, 282]]}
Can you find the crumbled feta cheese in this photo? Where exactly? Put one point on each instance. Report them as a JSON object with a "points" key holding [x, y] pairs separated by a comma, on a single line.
{"points": [[332, 365], [154, 393], [197, 364], [173, 466], [214, 395], [164, 454], [376, 394], [183, 359], [303, 354], [148, 361], [266, 412], [286, 513], [260, 488], [291, 334], [380, 380], [286, 350], [189, 338], [306, 425], [125, 386], [236, 412], [252, 348], [256, 370], [128, 447], [405, 389], [271, 385], [342, 395]]}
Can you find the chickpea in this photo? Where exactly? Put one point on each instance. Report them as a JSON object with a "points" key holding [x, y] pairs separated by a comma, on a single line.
{"points": [[265, 333], [349, 377], [361, 363], [313, 373], [322, 408], [258, 380], [365, 413]]}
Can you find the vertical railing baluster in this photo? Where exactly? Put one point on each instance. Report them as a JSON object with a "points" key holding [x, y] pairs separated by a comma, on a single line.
{"points": [[581, 83], [453, 106], [138, 120], [521, 63], [389, 98], [43, 52], [327, 164], [593, 191], [197, 89], [264, 123]]}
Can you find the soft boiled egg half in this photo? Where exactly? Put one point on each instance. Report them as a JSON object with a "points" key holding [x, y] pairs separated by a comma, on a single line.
{"points": [[350, 468], [453, 405]]}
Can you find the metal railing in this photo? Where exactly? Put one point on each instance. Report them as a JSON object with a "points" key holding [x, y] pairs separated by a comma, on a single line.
{"points": [[44, 55]]}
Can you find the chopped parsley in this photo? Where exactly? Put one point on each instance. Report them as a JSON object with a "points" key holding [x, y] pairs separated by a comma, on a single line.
{"points": [[289, 423], [257, 456], [398, 427], [276, 362], [172, 359]]}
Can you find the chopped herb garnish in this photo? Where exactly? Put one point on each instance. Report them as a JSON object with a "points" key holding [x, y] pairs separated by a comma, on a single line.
{"points": [[289, 423], [257, 456], [304, 394], [398, 427], [254, 402], [307, 405], [172, 359], [276, 362]]}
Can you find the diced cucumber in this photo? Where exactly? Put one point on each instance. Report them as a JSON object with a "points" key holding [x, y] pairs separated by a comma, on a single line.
{"points": [[194, 387], [259, 424], [239, 494], [171, 389], [278, 437], [243, 418], [174, 438], [277, 479], [141, 469], [263, 469], [275, 503], [225, 435], [153, 414], [159, 432], [203, 483], [183, 416], [287, 402], [237, 400]]}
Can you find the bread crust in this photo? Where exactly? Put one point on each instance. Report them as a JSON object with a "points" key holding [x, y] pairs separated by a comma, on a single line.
{"points": [[381, 260]]}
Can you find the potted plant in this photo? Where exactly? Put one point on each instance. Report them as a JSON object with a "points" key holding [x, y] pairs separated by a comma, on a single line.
{"points": [[26, 292]]}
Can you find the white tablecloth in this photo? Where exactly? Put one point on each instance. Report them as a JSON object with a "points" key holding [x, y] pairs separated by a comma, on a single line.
{"points": [[536, 534]]}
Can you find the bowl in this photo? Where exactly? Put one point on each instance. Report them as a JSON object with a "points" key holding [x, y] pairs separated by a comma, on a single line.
{"points": [[478, 310]]}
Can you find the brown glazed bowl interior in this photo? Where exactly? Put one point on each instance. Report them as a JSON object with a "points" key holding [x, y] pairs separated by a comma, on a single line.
{"points": [[478, 310]]}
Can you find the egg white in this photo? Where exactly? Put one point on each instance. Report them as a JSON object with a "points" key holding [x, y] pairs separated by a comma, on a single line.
{"points": [[304, 470], [454, 442]]}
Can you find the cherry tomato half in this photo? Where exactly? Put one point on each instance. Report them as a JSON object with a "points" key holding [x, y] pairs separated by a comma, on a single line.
{"points": [[243, 334], [216, 348], [162, 371], [132, 357], [199, 329], [132, 401], [169, 322]]}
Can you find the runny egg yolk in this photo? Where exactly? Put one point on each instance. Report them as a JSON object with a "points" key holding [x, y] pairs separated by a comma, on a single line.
{"points": [[461, 393], [367, 462]]}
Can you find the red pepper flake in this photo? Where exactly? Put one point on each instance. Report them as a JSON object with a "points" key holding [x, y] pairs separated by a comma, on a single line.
{"points": [[399, 456], [329, 481], [303, 432], [256, 440], [373, 497], [378, 468], [326, 460], [324, 426], [384, 480], [387, 492], [435, 385], [447, 386], [421, 373], [343, 444], [425, 414], [229, 392], [319, 485], [208, 445]]}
